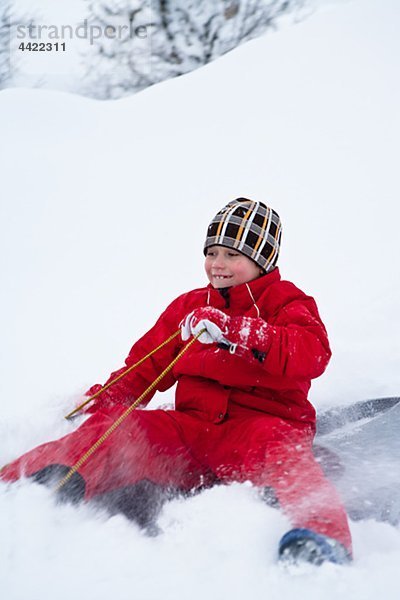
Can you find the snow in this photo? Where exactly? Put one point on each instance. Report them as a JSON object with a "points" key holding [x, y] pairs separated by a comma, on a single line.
{"points": [[104, 210]]}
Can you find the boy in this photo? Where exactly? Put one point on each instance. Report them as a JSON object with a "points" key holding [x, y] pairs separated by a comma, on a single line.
{"points": [[241, 408]]}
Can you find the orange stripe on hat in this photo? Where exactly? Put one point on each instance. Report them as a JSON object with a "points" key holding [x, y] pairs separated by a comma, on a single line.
{"points": [[261, 236], [223, 219], [239, 234]]}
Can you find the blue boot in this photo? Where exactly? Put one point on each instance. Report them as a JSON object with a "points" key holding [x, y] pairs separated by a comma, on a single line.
{"points": [[305, 545]]}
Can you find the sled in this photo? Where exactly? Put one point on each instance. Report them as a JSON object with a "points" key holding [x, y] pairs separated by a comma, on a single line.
{"points": [[358, 447]]}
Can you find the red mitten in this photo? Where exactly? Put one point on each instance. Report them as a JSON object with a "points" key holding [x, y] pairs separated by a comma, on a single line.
{"points": [[249, 337], [101, 401], [214, 321]]}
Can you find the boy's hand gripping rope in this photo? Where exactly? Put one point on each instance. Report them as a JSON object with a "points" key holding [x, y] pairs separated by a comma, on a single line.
{"points": [[139, 362], [128, 411]]}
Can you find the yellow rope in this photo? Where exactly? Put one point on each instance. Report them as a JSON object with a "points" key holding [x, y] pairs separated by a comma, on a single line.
{"points": [[125, 414], [164, 343]]}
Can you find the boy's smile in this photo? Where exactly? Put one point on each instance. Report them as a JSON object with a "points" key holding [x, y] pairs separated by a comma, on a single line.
{"points": [[226, 267]]}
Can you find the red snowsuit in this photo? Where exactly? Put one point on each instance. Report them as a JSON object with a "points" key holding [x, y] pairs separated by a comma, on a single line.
{"points": [[236, 417]]}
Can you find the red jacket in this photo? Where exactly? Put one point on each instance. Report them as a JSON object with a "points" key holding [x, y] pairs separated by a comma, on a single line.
{"points": [[275, 379]]}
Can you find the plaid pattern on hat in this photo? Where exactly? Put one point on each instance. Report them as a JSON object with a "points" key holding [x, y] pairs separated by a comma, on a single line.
{"points": [[250, 228]]}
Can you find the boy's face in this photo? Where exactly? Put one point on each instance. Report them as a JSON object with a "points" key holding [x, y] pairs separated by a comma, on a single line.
{"points": [[226, 267]]}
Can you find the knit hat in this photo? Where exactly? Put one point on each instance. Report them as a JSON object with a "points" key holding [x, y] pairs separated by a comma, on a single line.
{"points": [[248, 227]]}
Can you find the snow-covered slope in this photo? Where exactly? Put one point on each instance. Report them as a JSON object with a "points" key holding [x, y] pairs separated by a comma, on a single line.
{"points": [[104, 208]]}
